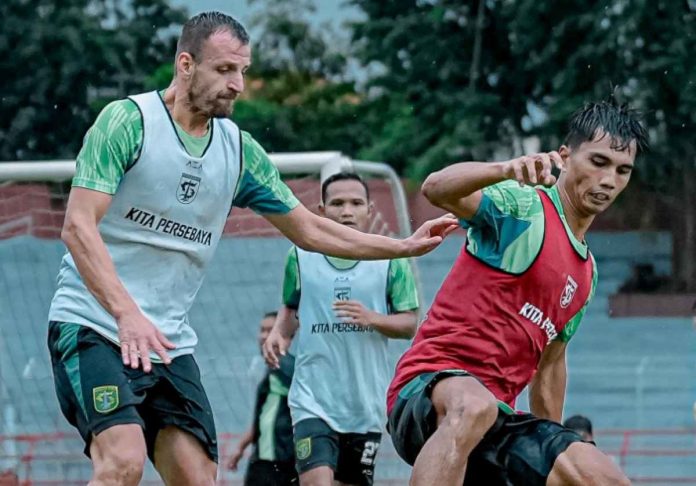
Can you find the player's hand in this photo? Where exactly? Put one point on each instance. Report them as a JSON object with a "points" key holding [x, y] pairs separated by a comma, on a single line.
{"points": [[430, 235], [353, 312], [138, 336], [233, 462], [533, 169], [275, 346]]}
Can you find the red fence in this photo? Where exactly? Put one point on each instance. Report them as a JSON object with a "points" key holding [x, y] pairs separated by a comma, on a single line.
{"points": [[53, 459]]}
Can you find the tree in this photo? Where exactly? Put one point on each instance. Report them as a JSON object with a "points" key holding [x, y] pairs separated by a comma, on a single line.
{"points": [[641, 50], [446, 85], [63, 57], [299, 95], [464, 80]]}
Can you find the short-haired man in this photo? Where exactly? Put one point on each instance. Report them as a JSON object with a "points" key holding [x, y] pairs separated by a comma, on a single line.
{"points": [[505, 313], [347, 311]]}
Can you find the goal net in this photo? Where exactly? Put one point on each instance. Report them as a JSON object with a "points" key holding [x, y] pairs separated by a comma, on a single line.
{"points": [[36, 443]]}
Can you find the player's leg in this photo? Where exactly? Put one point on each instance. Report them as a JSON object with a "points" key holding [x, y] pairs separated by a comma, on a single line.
{"points": [[95, 392], [118, 456], [583, 464], [316, 452], [181, 460], [181, 436], [356, 459], [538, 452], [465, 410]]}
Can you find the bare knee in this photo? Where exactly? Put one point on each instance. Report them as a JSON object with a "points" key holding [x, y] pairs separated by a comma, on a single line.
{"points": [[119, 467], [470, 417], [585, 465]]}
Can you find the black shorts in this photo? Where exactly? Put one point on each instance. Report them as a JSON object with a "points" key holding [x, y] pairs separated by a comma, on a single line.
{"points": [[271, 473], [96, 391], [518, 449], [351, 456]]}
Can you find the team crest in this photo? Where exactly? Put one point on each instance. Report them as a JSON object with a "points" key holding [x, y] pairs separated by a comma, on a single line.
{"points": [[303, 448], [342, 288], [188, 188], [105, 398], [568, 292]]}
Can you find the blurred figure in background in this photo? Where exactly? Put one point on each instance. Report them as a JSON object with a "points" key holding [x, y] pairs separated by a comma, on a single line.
{"points": [[581, 425], [272, 461]]}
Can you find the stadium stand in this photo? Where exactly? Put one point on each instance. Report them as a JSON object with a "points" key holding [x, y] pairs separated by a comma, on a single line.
{"points": [[625, 374]]}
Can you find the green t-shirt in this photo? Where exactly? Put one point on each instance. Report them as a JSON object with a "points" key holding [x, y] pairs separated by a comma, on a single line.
{"points": [[402, 294], [507, 232], [113, 143]]}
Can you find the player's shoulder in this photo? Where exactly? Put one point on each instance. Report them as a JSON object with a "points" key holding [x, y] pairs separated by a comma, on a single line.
{"points": [[509, 197], [119, 116], [121, 110], [255, 157]]}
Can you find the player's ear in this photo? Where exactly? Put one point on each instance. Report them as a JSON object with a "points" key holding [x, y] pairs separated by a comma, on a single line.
{"points": [[370, 208], [564, 152], [185, 64]]}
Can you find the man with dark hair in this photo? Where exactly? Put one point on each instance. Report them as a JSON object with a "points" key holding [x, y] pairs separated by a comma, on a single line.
{"points": [[272, 461], [581, 425], [347, 311], [153, 187], [505, 313]]}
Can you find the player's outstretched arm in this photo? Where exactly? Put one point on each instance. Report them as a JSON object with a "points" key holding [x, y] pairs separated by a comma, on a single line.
{"points": [[244, 442], [314, 233], [457, 188], [80, 234], [400, 325], [280, 337], [548, 387]]}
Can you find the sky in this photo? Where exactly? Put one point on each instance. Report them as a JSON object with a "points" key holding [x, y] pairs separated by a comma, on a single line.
{"points": [[334, 12]]}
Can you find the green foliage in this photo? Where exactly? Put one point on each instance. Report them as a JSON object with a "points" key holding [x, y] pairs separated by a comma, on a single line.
{"points": [[298, 97], [60, 57]]}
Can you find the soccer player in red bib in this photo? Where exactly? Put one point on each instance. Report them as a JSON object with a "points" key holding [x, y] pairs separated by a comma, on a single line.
{"points": [[505, 313]]}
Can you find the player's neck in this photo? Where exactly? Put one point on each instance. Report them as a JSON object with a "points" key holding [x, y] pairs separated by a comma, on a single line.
{"points": [[192, 122], [578, 222]]}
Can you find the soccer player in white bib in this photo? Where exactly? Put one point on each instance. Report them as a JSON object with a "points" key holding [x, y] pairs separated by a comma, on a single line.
{"points": [[347, 311], [153, 187]]}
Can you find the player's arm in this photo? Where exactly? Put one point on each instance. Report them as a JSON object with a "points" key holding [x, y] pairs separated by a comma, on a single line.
{"points": [[322, 235], [100, 165], [262, 190], [457, 188], [548, 387], [244, 441], [280, 337]]}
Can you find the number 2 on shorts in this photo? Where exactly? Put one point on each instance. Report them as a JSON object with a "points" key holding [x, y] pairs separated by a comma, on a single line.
{"points": [[369, 452]]}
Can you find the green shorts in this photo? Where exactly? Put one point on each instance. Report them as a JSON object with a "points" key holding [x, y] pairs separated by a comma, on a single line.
{"points": [[518, 449], [96, 391]]}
